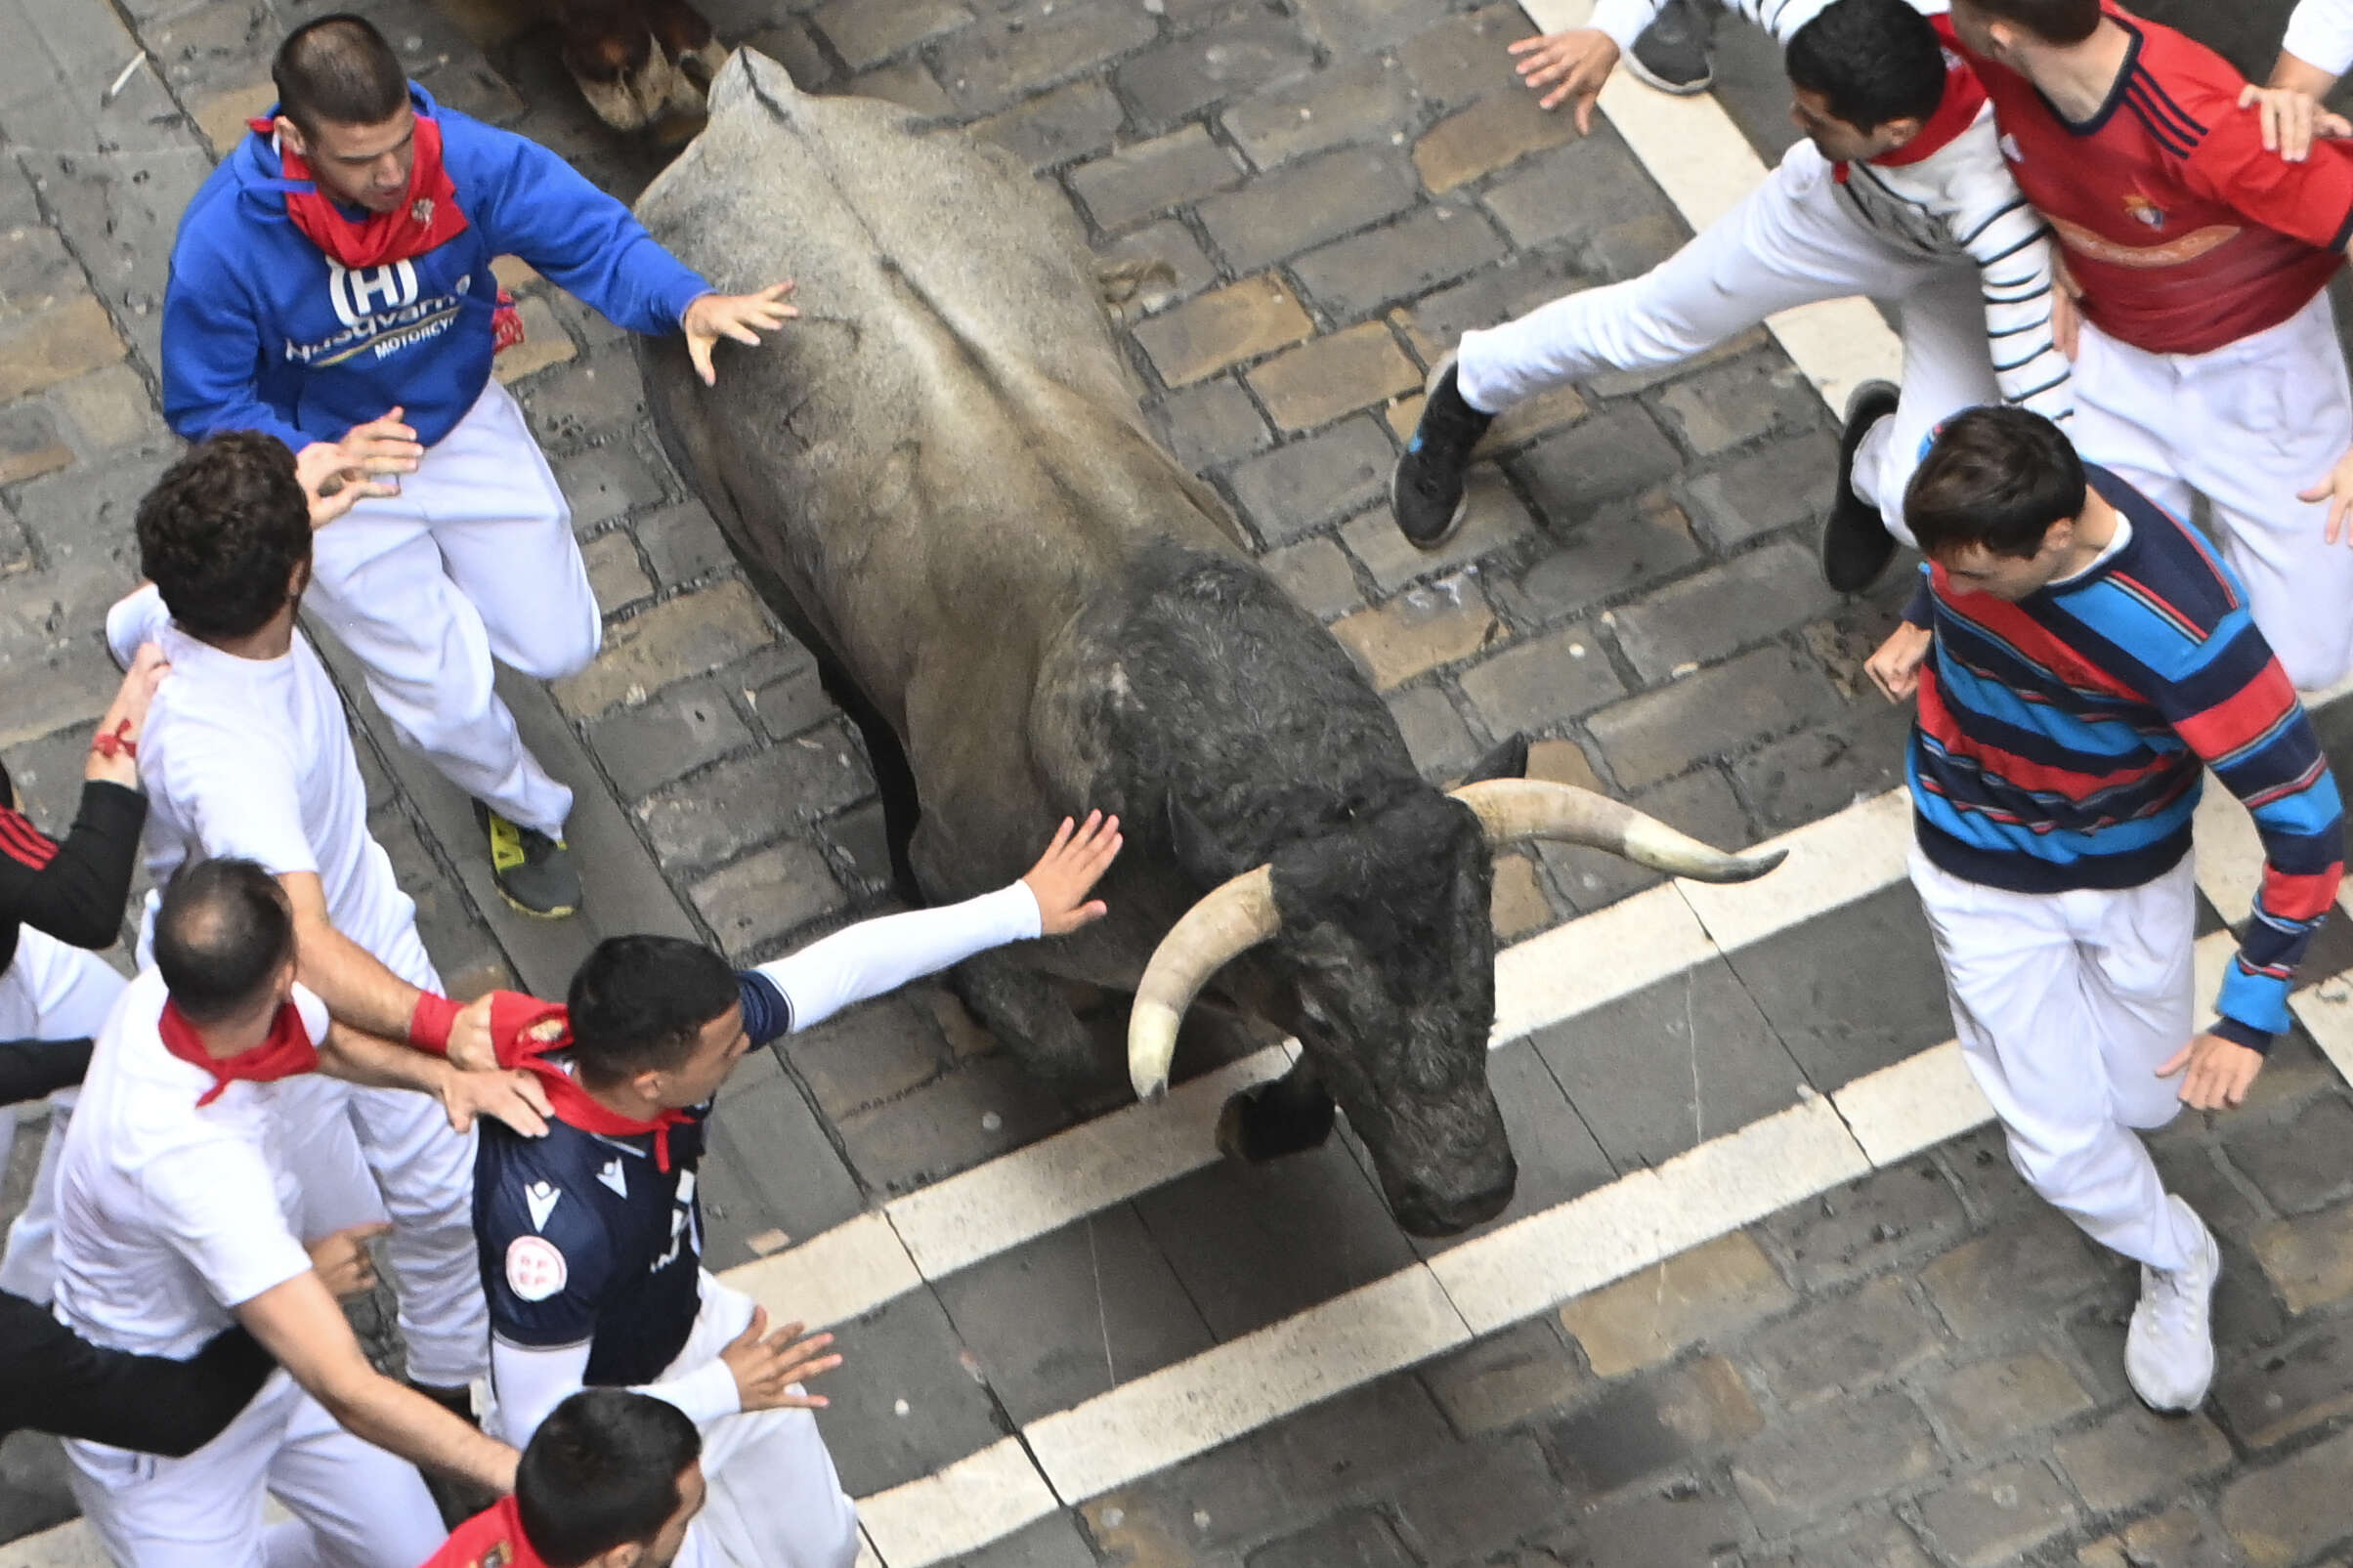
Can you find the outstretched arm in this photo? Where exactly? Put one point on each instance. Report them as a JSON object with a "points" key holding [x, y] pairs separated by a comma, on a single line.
{"points": [[875, 957], [53, 1380]]}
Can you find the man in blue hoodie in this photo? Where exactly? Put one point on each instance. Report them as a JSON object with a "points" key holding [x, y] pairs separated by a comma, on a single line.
{"points": [[331, 286]]}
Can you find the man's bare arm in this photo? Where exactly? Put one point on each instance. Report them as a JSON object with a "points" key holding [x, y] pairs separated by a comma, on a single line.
{"points": [[513, 1097], [299, 1323], [355, 985]]}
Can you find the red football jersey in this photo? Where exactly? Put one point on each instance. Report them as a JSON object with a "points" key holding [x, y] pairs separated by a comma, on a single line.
{"points": [[492, 1539], [2182, 232]]}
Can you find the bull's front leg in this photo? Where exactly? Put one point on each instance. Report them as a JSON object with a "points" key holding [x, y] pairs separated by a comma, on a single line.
{"points": [[1029, 1014], [1291, 1115], [1017, 1005]]}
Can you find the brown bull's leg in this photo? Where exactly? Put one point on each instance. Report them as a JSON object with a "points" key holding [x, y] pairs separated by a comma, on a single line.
{"points": [[685, 35], [612, 53]]}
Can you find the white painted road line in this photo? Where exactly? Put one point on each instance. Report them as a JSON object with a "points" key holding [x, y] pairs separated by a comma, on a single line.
{"points": [[1207, 1399], [979, 1499], [1032, 1191]]}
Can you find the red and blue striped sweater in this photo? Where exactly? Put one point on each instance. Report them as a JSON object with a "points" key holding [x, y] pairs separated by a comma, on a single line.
{"points": [[2062, 741]]}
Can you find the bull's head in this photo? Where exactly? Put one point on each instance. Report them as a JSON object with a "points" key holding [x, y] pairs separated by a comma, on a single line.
{"points": [[1380, 928]]}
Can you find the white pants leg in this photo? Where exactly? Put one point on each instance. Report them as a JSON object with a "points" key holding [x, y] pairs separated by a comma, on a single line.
{"points": [[50, 991], [371, 1155], [1793, 241], [2247, 426], [775, 1500], [362, 1508], [474, 559], [1947, 367], [424, 1175], [2065, 1005]]}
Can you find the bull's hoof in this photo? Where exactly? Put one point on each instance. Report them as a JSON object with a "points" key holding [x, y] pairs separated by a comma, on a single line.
{"points": [[628, 85], [1256, 1126]]}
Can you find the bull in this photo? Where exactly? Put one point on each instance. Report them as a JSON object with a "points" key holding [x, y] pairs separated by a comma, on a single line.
{"points": [[940, 478]]}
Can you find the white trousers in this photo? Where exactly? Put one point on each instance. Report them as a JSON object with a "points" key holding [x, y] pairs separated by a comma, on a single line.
{"points": [[1793, 241], [2065, 1005], [354, 1504], [368, 1156], [474, 559], [775, 1500], [388, 1154], [2247, 426], [50, 991]]}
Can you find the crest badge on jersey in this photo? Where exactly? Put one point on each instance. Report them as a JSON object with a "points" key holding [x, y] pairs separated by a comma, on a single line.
{"points": [[534, 1268], [2140, 207], [613, 1176]]}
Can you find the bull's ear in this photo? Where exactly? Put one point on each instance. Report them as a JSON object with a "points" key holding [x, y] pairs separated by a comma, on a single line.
{"points": [[1204, 859], [1508, 760]]}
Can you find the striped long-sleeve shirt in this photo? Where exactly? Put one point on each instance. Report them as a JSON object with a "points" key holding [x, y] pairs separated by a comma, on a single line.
{"points": [[1947, 196], [2062, 741]]}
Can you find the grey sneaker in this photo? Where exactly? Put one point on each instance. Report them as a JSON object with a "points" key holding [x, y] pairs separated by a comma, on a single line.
{"points": [[533, 872], [2170, 1348], [1671, 52]]}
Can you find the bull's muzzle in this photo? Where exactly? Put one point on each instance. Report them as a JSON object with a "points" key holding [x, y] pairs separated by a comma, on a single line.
{"points": [[1238, 915]]}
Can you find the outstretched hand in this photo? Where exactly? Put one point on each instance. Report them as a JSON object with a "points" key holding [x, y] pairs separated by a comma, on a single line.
{"points": [[1573, 65], [1895, 667], [2216, 1072], [343, 1263], [714, 317], [767, 1367], [1069, 869]]}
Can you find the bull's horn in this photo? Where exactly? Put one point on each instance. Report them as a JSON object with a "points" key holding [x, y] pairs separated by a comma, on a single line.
{"points": [[1228, 920], [1514, 809]]}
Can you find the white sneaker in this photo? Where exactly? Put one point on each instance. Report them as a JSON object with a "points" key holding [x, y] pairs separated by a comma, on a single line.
{"points": [[2169, 1349]]}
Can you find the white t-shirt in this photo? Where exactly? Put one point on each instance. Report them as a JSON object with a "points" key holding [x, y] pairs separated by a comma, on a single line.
{"points": [[253, 757], [2320, 34], [170, 1215]]}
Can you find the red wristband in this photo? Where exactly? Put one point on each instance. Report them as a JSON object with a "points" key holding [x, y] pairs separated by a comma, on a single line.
{"points": [[430, 1025], [117, 741]]}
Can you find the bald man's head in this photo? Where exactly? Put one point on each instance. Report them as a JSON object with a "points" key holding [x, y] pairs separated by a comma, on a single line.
{"points": [[224, 936]]}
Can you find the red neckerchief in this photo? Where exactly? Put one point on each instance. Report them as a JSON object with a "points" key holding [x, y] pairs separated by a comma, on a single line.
{"points": [[427, 216], [384, 237], [493, 1536], [513, 1016], [286, 1052], [1956, 111]]}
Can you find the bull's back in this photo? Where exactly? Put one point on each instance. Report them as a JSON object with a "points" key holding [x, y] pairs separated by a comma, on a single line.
{"points": [[945, 439]]}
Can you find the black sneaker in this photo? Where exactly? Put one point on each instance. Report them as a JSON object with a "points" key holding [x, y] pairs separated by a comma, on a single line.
{"points": [[1856, 545], [1671, 54], [533, 872], [1426, 489]]}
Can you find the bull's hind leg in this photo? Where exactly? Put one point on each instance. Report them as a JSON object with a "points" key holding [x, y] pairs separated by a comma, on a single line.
{"points": [[1291, 1115]]}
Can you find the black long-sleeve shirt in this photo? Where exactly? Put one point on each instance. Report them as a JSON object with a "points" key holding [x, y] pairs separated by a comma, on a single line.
{"points": [[53, 1381], [75, 890]]}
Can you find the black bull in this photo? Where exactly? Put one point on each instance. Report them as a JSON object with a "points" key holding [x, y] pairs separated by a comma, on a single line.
{"points": [[940, 478]]}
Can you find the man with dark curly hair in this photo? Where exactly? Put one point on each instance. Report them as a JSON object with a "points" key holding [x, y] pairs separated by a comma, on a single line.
{"points": [[247, 754]]}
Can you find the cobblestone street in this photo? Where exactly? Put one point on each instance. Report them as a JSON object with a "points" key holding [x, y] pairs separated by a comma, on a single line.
{"points": [[1915, 1362]]}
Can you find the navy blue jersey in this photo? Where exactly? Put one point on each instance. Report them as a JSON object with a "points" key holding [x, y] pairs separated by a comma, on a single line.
{"points": [[584, 1239]]}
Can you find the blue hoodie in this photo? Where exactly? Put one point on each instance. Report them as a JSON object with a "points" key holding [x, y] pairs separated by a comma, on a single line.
{"points": [[262, 332]]}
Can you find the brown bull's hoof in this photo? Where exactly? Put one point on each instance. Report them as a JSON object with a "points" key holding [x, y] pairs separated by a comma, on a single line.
{"points": [[1256, 1126], [629, 83]]}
